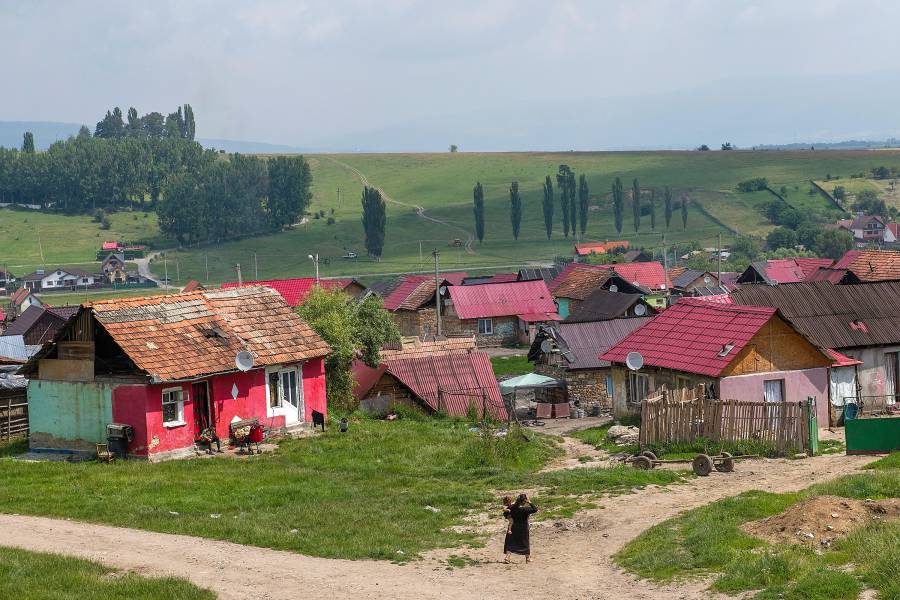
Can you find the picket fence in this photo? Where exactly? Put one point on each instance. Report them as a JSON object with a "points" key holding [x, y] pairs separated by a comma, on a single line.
{"points": [[687, 415]]}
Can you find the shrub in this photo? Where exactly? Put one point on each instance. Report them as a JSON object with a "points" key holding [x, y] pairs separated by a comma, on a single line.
{"points": [[753, 185]]}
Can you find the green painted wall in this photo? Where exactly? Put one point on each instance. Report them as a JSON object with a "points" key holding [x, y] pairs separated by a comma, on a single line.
{"points": [[872, 435], [76, 412], [563, 307]]}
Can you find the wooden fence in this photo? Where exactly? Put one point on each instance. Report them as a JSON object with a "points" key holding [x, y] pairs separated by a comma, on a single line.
{"points": [[678, 417], [13, 417]]}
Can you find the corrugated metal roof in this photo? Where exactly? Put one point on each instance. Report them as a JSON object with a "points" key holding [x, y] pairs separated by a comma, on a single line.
{"points": [[399, 298], [579, 282], [831, 315], [495, 278], [871, 265], [412, 346], [199, 333], [587, 341], [13, 348], [650, 275], [502, 299], [293, 290], [692, 335], [548, 274], [686, 277], [602, 305]]}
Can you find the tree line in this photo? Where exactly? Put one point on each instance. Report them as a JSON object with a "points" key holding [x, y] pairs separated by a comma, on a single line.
{"points": [[176, 125], [574, 201]]}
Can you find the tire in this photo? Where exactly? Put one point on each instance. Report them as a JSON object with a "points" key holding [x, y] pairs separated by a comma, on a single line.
{"points": [[727, 464], [702, 465], [641, 462]]}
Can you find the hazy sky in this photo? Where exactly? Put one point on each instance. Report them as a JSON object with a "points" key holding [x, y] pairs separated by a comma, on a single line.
{"points": [[305, 72]]}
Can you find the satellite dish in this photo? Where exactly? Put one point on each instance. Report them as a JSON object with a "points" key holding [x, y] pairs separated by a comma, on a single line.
{"points": [[614, 288], [634, 361], [243, 361], [640, 310], [707, 280], [443, 290], [546, 346]]}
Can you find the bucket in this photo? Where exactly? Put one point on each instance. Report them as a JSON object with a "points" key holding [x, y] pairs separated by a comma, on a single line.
{"points": [[595, 410]]}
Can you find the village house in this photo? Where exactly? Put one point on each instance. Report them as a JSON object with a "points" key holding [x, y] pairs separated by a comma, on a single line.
{"points": [[39, 324], [6, 278], [688, 280], [648, 278], [748, 353], [167, 366], [570, 352], [871, 265], [21, 300], [443, 375], [785, 270], [498, 313], [412, 304], [296, 289], [603, 305], [588, 248], [637, 256], [57, 279], [860, 321]]}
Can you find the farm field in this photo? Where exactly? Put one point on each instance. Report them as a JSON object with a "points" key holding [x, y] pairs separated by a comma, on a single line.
{"points": [[55, 299]]}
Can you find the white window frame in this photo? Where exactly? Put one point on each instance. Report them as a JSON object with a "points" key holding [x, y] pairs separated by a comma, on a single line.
{"points": [[489, 329], [632, 378], [179, 402], [283, 407]]}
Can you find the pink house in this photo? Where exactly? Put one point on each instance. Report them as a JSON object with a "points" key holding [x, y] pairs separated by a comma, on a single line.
{"points": [[166, 366]]}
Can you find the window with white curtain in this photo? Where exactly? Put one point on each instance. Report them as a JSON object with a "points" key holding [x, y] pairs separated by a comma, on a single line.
{"points": [[890, 376], [774, 390]]}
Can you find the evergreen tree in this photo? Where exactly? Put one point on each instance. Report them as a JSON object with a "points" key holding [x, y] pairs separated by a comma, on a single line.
{"points": [[83, 132], [111, 126], [618, 203], [684, 211], [548, 206], [582, 203], [668, 199], [573, 206], [653, 209], [562, 182], [28, 143], [373, 221], [478, 210], [636, 204], [515, 208]]}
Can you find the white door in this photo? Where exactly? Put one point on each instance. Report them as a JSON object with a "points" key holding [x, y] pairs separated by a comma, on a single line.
{"points": [[286, 395]]}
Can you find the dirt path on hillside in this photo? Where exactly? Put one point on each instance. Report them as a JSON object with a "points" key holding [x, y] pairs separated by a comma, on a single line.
{"points": [[420, 210], [572, 558]]}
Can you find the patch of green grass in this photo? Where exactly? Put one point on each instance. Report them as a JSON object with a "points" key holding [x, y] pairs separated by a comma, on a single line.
{"points": [[891, 461], [13, 447], [831, 447], [597, 437], [511, 365], [708, 540], [456, 561], [25, 575]]}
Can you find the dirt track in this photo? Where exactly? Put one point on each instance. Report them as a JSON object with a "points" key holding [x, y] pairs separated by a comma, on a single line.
{"points": [[569, 562]]}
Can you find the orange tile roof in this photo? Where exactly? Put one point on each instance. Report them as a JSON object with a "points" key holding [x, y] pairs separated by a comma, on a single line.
{"points": [[599, 247], [411, 347], [199, 333], [580, 281], [871, 265]]}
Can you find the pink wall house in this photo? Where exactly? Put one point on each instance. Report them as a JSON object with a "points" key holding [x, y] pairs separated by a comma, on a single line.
{"points": [[797, 385]]}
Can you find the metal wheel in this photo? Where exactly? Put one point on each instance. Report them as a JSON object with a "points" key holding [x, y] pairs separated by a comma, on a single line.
{"points": [[649, 455], [702, 465], [641, 462], [727, 464]]}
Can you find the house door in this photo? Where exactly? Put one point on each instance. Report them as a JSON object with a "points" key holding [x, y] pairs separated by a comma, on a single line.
{"points": [[286, 394], [203, 409]]}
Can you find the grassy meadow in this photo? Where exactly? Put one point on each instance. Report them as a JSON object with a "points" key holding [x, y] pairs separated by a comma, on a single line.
{"points": [[361, 494]]}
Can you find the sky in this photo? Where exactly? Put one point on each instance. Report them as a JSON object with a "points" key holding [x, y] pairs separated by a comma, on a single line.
{"points": [[486, 74]]}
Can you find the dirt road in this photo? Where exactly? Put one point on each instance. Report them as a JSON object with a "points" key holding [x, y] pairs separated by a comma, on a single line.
{"points": [[571, 561]]}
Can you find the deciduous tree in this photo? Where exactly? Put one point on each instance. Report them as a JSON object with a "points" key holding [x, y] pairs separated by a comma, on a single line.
{"points": [[373, 220], [562, 183], [668, 201], [583, 199], [684, 211], [636, 204], [478, 210], [28, 143], [548, 207], [618, 203], [515, 208]]}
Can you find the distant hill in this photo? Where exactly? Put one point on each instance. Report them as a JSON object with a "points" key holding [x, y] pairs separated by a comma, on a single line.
{"points": [[245, 147], [45, 132]]}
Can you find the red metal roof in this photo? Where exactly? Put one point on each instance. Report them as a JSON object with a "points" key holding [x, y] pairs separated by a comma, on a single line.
{"points": [[650, 275], [461, 378], [407, 288], [294, 290], [503, 299], [109, 246], [842, 360], [454, 278], [692, 336]]}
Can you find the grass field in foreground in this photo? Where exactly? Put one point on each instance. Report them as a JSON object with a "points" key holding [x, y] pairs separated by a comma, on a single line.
{"points": [[362, 494], [37, 575], [442, 184], [708, 540]]}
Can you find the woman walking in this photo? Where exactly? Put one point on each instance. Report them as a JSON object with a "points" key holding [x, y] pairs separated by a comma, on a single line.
{"points": [[517, 537]]}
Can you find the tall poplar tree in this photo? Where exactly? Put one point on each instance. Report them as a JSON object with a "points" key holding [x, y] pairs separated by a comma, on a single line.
{"points": [[28, 143], [548, 206], [562, 183], [653, 208], [582, 203], [636, 204], [684, 211], [478, 210], [668, 198], [573, 206], [373, 220], [618, 203], [515, 208]]}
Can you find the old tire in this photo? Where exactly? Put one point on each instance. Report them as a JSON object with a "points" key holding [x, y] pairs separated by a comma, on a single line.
{"points": [[649, 455], [641, 462], [727, 464], [702, 465]]}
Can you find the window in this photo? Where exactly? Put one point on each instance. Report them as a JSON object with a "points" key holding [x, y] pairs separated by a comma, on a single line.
{"points": [[289, 387], [173, 407], [486, 326], [274, 396], [682, 382], [638, 387], [773, 390], [609, 386]]}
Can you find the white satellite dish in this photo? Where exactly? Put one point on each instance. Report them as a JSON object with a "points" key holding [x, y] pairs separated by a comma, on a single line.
{"points": [[243, 361], [546, 346], [614, 288], [640, 310], [707, 280], [443, 290], [634, 361]]}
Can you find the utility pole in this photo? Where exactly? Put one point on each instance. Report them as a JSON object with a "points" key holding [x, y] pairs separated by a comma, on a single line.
{"points": [[420, 252], [177, 271], [237, 268], [340, 197], [437, 290], [666, 263], [315, 259], [166, 267], [719, 257], [206, 257], [255, 268]]}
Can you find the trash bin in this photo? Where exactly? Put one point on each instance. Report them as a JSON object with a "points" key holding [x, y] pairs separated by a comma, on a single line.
{"points": [[118, 436]]}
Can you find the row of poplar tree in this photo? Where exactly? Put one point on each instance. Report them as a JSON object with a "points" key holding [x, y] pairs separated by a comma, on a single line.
{"points": [[152, 162], [575, 201]]}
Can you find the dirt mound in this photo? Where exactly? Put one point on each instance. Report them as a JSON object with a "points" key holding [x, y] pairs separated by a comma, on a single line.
{"points": [[820, 520]]}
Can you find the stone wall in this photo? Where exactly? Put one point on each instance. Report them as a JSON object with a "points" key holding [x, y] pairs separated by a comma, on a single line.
{"points": [[587, 386]]}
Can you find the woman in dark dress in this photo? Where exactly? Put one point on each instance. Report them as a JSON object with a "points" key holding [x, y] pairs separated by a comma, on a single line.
{"points": [[517, 538]]}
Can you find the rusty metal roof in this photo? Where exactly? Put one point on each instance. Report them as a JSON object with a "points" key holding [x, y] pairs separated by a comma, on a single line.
{"points": [[411, 293], [199, 333], [834, 316], [503, 299], [579, 282]]}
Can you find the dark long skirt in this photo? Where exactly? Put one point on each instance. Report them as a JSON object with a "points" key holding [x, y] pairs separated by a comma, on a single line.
{"points": [[517, 541]]}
